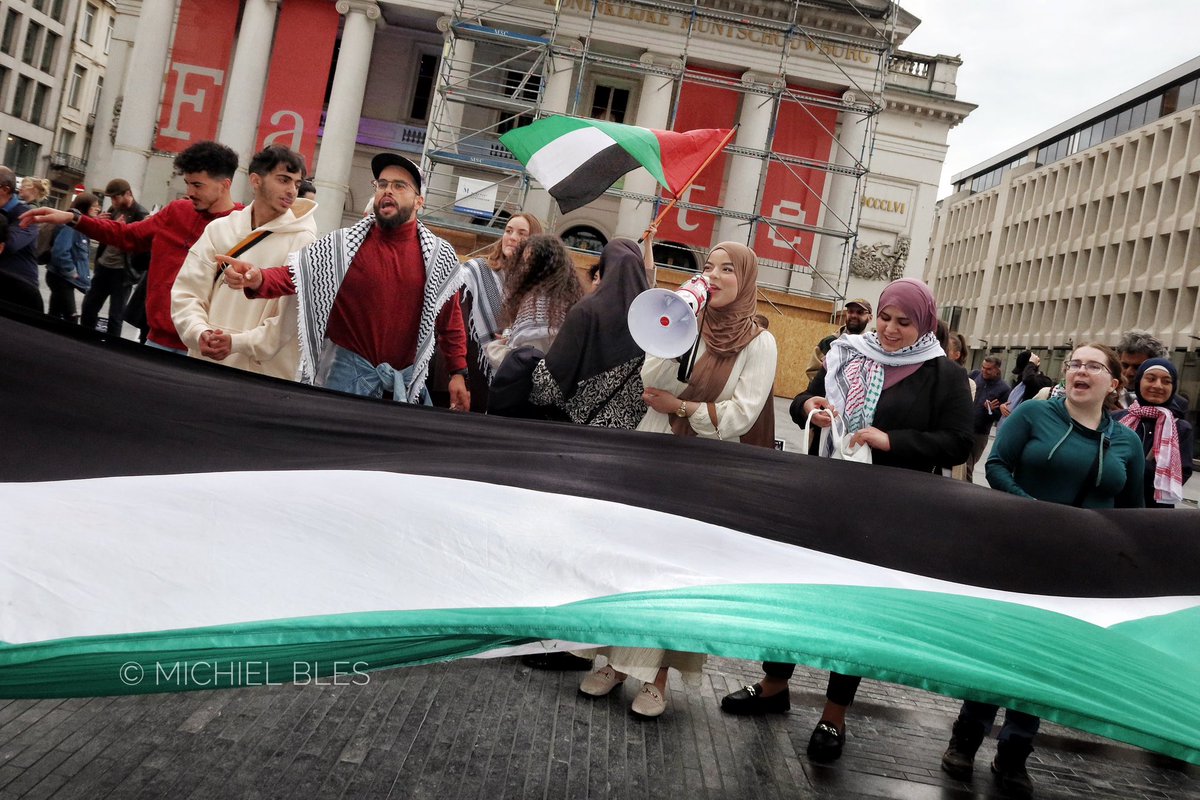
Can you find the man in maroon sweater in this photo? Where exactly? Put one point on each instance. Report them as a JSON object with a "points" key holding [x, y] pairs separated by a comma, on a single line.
{"points": [[207, 169], [374, 297]]}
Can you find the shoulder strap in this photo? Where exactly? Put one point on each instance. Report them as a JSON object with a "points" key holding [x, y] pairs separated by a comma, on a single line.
{"points": [[241, 247]]}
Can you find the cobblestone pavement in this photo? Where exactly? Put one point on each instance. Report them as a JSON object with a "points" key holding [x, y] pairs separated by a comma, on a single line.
{"points": [[495, 729]]}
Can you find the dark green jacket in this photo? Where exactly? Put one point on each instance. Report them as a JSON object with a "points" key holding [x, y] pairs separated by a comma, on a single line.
{"points": [[1042, 453]]}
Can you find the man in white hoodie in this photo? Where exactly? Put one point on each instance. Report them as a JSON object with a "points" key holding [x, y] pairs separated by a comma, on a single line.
{"points": [[222, 324]]}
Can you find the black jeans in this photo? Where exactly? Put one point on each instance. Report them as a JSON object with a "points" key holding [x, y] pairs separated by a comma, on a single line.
{"points": [[62, 296], [841, 688], [107, 284]]}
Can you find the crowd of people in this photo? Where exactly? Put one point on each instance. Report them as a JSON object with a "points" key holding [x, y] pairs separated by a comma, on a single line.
{"points": [[377, 308]]}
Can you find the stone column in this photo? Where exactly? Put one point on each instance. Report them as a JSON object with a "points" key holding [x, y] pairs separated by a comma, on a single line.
{"points": [[653, 111], [115, 71], [556, 99], [445, 128], [139, 110], [446, 115], [745, 172], [839, 213], [247, 83], [345, 108]]}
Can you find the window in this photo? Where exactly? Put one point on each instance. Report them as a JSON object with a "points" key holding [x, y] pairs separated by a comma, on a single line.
{"points": [[75, 93], [49, 51], [33, 42], [56, 11], [519, 85], [20, 96], [21, 156], [609, 103], [41, 94], [66, 141], [39, 5], [585, 238], [108, 35], [423, 87], [88, 25], [96, 96], [10, 32]]}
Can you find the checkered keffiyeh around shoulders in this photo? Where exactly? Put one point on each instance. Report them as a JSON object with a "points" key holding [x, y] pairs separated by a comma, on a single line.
{"points": [[319, 269]]}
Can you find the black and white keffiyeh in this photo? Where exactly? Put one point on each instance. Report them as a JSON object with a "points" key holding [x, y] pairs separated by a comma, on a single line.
{"points": [[319, 269], [486, 288]]}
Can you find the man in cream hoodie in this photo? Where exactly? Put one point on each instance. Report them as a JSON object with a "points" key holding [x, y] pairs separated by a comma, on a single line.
{"points": [[222, 324]]}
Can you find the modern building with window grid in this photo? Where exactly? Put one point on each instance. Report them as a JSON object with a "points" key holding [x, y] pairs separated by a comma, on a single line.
{"points": [[1082, 232]]}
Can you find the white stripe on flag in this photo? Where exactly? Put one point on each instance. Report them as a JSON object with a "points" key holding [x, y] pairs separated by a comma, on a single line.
{"points": [[561, 157], [123, 555]]}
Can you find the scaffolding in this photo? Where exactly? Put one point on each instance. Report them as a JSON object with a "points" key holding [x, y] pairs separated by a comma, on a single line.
{"points": [[501, 58]]}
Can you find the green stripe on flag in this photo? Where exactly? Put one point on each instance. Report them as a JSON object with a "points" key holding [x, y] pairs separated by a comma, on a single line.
{"points": [[1058, 667]]}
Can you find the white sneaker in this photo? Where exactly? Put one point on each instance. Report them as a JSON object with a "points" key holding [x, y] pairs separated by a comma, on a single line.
{"points": [[600, 682], [649, 702]]}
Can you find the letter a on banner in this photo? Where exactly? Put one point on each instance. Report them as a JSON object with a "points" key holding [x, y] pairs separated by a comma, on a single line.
{"points": [[300, 62], [196, 76]]}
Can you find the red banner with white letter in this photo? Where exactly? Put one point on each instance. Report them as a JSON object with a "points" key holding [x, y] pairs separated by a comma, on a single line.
{"points": [[295, 93], [701, 105], [792, 192], [196, 74]]}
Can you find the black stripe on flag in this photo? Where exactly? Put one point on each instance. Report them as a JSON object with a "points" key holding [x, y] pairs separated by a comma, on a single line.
{"points": [[592, 178], [74, 407]]}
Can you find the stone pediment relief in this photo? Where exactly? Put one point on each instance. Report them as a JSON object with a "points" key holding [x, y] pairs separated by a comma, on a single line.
{"points": [[880, 261]]}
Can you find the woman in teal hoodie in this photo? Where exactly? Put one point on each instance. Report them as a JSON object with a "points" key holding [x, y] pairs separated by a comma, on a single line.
{"points": [[1064, 450]]}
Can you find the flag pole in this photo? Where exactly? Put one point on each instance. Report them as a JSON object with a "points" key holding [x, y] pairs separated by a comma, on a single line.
{"points": [[690, 181]]}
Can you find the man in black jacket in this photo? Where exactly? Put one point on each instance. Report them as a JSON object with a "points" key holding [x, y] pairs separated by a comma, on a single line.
{"points": [[116, 270], [18, 262], [990, 394]]}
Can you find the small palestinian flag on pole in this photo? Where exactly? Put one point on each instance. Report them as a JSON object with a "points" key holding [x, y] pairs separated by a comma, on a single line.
{"points": [[578, 159]]}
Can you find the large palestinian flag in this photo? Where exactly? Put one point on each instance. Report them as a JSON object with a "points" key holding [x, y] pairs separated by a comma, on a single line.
{"points": [[576, 160], [171, 525]]}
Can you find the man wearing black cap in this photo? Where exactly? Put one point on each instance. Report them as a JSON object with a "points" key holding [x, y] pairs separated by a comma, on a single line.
{"points": [[116, 270], [374, 297], [857, 317]]}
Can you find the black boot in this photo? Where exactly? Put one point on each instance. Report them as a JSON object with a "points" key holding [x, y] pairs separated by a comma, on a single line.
{"points": [[959, 759], [1009, 767]]}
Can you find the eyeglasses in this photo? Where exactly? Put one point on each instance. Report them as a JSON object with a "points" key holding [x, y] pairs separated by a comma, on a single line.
{"points": [[1093, 367], [396, 186]]}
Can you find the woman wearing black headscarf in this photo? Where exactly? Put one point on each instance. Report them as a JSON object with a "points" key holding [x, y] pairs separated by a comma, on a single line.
{"points": [[1166, 436], [592, 372]]}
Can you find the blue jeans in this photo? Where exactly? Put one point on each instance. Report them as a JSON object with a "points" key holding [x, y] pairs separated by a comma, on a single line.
{"points": [[158, 346], [347, 371]]}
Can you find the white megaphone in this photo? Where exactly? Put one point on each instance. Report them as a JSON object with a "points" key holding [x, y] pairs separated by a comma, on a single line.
{"points": [[663, 323]]}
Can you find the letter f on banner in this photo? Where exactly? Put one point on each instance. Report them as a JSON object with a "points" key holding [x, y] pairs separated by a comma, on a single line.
{"points": [[183, 97]]}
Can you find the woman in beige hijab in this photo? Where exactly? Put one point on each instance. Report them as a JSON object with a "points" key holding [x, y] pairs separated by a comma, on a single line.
{"points": [[720, 390]]}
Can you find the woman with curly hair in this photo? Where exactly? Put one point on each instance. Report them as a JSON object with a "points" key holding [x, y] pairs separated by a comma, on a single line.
{"points": [[539, 290]]}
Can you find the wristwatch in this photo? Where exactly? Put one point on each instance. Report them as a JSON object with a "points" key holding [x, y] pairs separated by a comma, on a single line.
{"points": [[75, 215], [682, 412]]}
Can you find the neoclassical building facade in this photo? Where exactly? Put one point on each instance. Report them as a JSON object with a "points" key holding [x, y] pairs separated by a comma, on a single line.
{"points": [[831, 177]]}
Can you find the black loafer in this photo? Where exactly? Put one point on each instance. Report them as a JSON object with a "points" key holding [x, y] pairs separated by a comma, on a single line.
{"points": [[825, 745], [749, 702], [561, 661]]}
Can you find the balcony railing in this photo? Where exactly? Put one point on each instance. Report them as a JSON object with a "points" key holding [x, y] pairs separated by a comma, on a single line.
{"points": [[68, 162]]}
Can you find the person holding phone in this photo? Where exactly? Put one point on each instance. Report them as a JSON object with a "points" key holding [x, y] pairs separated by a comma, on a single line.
{"points": [[990, 393]]}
